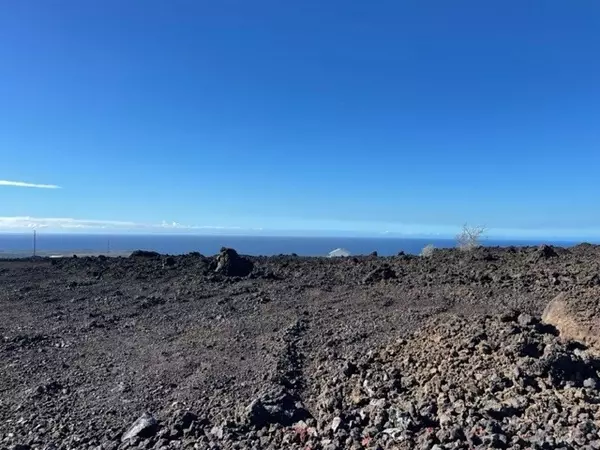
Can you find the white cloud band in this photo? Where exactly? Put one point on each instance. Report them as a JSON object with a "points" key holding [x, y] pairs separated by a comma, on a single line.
{"points": [[28, 185], [23, 223]]}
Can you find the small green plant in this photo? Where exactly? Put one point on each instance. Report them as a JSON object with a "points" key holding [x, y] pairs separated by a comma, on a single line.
{"points": [[428, 250], [470, 236]]}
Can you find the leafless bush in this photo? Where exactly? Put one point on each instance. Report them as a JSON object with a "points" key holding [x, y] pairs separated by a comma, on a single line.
{"points": [[428, 250], [469, 237]]}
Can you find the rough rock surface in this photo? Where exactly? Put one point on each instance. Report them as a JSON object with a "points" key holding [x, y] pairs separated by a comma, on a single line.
{"points": [[299, 353], [464, 383], [144, 426], [380, 274], [231, 264], [577, 317], [546, 251]]}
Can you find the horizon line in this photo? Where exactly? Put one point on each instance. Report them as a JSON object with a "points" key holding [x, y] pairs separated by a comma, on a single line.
{"points": [[299, 236]]}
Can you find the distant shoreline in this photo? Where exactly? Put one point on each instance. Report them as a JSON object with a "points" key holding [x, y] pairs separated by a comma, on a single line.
{"points": [[21, 246]]}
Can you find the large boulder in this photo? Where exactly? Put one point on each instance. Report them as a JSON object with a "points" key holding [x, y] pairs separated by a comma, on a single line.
{"points": [[275, 405], [231, 264], [145, 426], [576, 317], [543, 252]]}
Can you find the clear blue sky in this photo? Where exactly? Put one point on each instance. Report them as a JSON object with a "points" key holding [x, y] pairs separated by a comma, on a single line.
{"points": [[402, 116]]}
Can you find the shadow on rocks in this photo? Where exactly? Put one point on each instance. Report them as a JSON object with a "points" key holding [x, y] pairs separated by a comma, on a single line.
{"points": [[276, 405]]}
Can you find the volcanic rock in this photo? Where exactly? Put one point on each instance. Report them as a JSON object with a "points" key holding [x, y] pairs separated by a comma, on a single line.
{"points": [[275, 406], [144, 427], [454, 356], [545, 252], [577, 317], [475, 388], [229, 263], [380, 274]]}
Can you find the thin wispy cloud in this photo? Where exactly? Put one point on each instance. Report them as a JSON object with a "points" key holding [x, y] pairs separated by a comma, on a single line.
{"points": [[23, 223], [28, 185]]}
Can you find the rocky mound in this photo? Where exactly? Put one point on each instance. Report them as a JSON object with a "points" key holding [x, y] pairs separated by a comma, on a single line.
{"points": [[229, 263], [490, 383], [545, 252], [506, 382]]}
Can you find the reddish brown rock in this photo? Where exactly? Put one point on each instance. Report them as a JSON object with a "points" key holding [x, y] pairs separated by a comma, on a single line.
{"points": [[576, 317]]}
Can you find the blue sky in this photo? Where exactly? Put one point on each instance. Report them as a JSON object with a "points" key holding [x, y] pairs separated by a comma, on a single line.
{"points": [[405, 117]]}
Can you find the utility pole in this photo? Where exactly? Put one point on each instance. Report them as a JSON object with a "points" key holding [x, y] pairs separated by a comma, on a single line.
{"points": [[34, 243], [108, 246]]}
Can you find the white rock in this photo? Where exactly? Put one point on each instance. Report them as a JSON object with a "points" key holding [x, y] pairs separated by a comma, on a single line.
{"points": [[335, 424], [395, 433], [143, 424], [217, 431]]}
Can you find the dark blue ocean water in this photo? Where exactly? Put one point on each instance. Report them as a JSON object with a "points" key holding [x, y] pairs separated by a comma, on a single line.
{"points": [[208, 245]]}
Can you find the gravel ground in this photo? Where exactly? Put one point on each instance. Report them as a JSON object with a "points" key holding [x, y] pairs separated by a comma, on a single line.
{"points": [[156, 351]]}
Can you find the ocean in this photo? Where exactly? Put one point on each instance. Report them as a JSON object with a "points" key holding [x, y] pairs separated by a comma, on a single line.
{"points": [[65, 244]]}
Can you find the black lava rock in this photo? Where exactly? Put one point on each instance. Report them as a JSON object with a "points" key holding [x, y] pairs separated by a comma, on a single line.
{"points": [[229, 263]]}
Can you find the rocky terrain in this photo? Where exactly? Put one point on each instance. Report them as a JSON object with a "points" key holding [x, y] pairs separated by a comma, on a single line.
{"points": [[459, 350]]}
